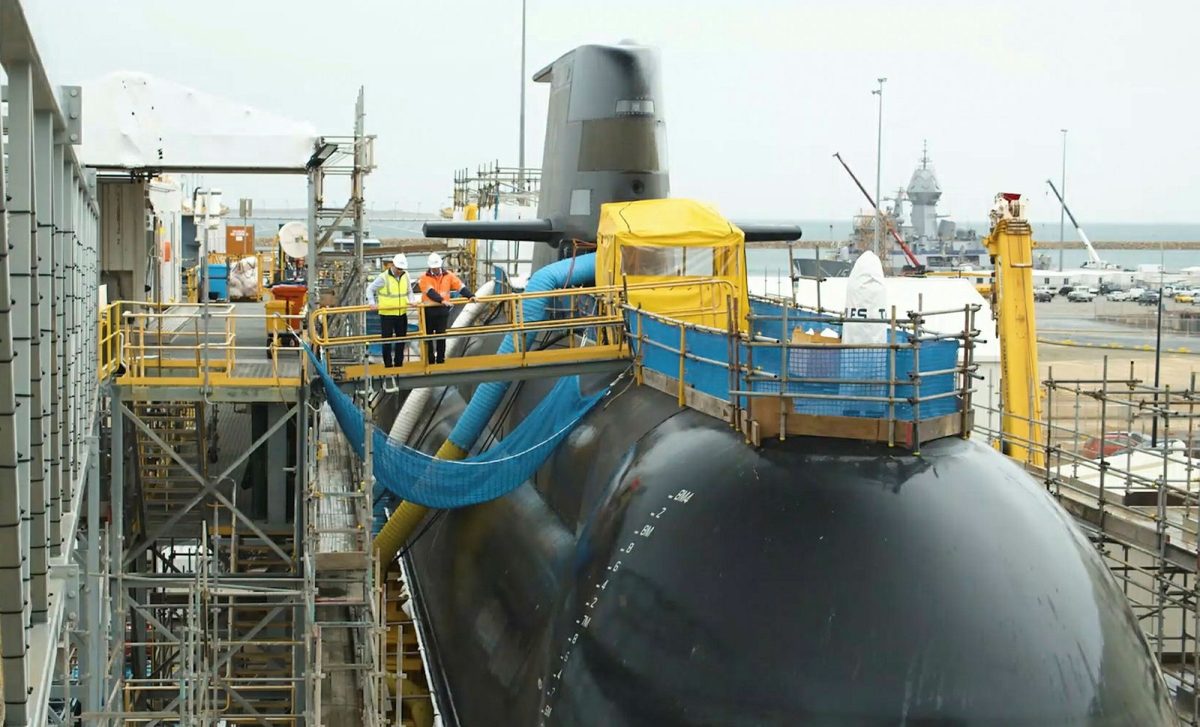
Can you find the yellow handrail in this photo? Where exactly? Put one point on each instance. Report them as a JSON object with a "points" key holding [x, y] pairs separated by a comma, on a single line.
{"points": [[175, 354], [613, 295]]}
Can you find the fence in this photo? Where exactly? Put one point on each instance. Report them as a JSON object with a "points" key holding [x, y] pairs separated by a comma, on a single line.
{"points": [[144, 343], [916, 376], [1121, 457]]}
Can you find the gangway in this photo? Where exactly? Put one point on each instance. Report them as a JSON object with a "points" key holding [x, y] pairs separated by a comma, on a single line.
{"points": [[591, 339]]}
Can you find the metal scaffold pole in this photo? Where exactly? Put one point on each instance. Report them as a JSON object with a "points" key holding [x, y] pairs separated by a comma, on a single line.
{"points": [[12, 620], [39, 325], [21, 222]]}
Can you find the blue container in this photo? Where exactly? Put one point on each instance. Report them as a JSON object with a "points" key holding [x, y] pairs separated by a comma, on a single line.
{"points": [[218, 281]]}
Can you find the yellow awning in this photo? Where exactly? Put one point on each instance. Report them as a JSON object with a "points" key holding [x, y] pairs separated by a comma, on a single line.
{"points": [[674, 240]]}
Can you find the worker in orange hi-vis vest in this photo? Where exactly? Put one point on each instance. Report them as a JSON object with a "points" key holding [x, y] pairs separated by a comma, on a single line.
{"points": [[436, 285]]}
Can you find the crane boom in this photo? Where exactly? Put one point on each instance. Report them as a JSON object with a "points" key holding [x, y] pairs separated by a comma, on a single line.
{"points": [[908, 253], [1010, 244], [1093, 257]]}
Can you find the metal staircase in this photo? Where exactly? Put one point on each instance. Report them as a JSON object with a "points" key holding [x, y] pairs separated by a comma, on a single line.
{"points": [[166, 486]]}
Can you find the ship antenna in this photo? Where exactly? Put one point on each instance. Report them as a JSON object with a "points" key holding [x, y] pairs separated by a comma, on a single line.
{"points": [[924, 153]]}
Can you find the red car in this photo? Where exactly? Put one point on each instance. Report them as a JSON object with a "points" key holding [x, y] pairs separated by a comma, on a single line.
{"points": [[1115, 443]]}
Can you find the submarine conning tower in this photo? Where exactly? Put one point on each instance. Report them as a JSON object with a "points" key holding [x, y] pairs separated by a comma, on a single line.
{"points": [[606, 137]]}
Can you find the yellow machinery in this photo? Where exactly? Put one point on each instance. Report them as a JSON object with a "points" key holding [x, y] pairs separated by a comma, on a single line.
{"points": [[668, 240], [1010, 245]]}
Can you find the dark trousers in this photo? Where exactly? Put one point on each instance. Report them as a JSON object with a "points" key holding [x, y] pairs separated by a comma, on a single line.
{"points": [[393, 327], [437, 318]]}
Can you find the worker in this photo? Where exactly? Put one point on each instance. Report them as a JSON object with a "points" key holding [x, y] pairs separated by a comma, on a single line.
{"points": [[436, 285], [388, 294]]}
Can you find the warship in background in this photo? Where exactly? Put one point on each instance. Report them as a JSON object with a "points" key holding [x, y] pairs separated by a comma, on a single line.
{"points": [[937, 242]]}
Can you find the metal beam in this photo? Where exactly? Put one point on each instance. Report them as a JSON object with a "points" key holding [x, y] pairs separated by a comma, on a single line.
{"points": [[93, 666], [246, 705], [209, 487], [219, 394], [58, 474], [12, 556], [228, 656], [515, 373], [115, 667], [276, 483], [145, 613], [20, 224], [39, 362]]}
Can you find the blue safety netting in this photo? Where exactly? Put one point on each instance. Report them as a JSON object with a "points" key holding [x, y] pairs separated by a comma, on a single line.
{"points": [[420, 478], [832, 380]]}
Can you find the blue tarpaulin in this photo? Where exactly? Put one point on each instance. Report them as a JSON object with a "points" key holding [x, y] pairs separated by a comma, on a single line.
{"points": [[425, 480]]}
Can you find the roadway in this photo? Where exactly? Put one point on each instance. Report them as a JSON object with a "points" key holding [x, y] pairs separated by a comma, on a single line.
{"points": [[1060, 320]]}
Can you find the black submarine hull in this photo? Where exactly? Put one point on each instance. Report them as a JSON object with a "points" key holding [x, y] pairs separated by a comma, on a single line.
{"points": [[658, 571]]}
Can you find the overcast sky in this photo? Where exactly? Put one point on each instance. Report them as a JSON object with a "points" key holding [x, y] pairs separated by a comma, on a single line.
{"points": [[758, 95]]}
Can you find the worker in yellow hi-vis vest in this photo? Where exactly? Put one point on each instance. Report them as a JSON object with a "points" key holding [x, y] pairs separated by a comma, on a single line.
{"points": [[388, 294]]}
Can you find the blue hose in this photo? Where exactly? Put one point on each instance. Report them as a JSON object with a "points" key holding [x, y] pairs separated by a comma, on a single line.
{"points": [[565, 273]]}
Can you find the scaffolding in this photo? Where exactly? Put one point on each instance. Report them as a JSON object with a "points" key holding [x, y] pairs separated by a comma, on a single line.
{"points": [[1123, 458], [482, 195], [225, 608], [51, 605]]}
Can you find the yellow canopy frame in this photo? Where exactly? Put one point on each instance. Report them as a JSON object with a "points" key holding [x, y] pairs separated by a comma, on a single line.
{"points": [[668, 240]]}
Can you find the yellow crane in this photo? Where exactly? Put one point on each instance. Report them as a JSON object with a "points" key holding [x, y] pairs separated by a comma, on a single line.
{"points": [[1010, 245]]}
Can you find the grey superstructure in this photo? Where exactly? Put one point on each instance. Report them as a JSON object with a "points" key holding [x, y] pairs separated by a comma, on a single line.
{"points": [[937, 243]]}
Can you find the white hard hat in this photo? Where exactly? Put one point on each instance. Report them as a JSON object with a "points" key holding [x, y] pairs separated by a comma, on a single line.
{"points": [[400, 261], [435, 260]]}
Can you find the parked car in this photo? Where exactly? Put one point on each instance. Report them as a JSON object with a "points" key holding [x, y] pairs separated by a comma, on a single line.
{"points": [[1115, 443], [1066, 290], [1081, 295], [1148, 297], [1043, 295], [1119, 295], [1187, 296]]}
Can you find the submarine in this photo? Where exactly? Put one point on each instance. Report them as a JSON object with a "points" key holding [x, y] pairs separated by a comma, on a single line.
{"points": [[658, 570]]}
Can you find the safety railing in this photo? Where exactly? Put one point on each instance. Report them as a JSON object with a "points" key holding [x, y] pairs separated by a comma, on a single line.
{"points": [[786, 378], [1123, 458], [150, 344], [588, 322]]}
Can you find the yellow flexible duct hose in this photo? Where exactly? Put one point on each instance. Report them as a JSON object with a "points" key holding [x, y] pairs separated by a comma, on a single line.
{"points": [[405, 519]]}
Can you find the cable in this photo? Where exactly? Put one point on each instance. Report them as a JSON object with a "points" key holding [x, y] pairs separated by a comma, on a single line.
{"points": [[424, 528], [550, 339]]}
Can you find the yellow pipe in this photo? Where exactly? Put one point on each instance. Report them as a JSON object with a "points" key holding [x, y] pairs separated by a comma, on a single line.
{"points": [[405, 518], [403, 521]]}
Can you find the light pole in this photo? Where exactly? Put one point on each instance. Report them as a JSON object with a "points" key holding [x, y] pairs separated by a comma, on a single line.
{"points": [[521, 146], [878, 164], [1158, 326], [1062, 208]]}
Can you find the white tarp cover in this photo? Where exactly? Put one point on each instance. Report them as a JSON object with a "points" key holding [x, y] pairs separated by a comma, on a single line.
{"points": [[906, 294], [866, 297], [135, 120]]}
